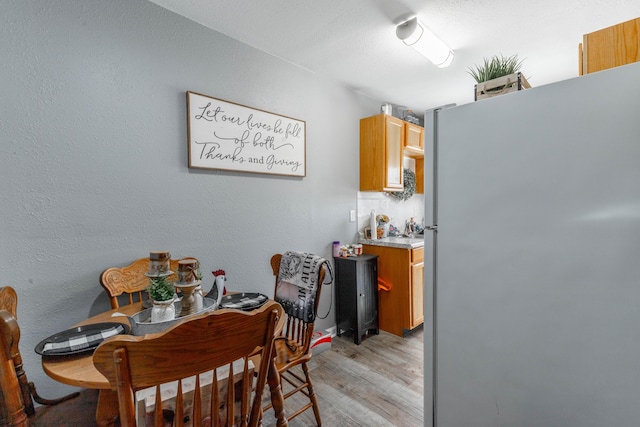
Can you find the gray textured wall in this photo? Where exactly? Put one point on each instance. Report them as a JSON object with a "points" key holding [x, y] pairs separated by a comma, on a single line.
{"points": [[94, 162]]}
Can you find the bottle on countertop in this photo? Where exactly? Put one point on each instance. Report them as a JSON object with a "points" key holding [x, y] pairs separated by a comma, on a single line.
{"points": [[409, 228], [373, 223], [336, 249]]}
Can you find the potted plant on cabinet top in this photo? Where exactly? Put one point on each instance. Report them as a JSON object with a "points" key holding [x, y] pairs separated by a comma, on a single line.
{"points": [[497, 76], [161, 292]]}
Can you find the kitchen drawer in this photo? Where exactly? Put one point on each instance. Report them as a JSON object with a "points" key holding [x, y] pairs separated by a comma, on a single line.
{"points": [[417, 255]]}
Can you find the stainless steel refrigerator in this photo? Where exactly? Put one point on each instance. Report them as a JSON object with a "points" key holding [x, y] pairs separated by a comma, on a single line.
{"points": [[533, 287]]}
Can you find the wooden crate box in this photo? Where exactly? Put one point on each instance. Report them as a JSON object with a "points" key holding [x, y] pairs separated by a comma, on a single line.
{"points": [[501, 85]]}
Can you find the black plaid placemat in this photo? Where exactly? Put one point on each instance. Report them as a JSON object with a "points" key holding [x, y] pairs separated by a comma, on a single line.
{"points": [[82, 340]]}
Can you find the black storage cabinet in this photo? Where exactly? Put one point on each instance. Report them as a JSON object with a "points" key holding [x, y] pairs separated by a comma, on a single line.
{"points": [[357, 295]]}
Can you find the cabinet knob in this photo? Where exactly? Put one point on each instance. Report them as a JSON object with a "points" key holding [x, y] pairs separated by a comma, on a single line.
{"points": [[362, 295]]}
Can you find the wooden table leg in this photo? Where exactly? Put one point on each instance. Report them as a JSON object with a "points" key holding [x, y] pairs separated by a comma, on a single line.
{"points": [[107, 411], [277, 399]]}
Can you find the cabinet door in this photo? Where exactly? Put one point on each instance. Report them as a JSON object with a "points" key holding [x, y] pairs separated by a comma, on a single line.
{"points": [[346, 294], [413, 137], [394, 305], [394, 136], [420, 175], [417, 287], [368, 296], [611, 47], [417, 294]]}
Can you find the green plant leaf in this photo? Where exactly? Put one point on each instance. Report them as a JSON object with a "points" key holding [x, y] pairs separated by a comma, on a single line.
{"points": [[495, 67], [160, 289]]}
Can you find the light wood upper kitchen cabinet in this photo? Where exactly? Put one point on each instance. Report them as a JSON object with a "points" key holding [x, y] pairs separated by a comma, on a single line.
{"points": [[401, 308], [610, 47], [381, 147]]}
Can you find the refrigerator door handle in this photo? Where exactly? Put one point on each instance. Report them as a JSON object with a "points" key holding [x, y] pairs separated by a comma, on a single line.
{"points": [[431, 228]]}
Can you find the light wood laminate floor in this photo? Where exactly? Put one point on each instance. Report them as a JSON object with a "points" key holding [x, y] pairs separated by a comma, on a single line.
{"points": [[375, 384]]}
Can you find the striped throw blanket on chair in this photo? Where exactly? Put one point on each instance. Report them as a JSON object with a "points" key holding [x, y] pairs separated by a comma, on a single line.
{"points": [[298, 284]]}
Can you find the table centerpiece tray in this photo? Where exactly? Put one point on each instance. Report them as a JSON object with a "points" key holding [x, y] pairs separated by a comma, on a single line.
{"points": [[141, 323]]}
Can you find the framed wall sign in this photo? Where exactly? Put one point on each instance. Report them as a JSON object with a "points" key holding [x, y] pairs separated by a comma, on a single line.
{"points": [[228, 136]]}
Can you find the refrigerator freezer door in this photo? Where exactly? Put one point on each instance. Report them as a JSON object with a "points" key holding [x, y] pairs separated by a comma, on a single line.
{"points": [[429, 276], [538, 261], [430, 260]]}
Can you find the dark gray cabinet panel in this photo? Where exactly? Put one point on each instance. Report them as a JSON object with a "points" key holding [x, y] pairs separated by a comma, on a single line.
{"points": [[357, 295]]}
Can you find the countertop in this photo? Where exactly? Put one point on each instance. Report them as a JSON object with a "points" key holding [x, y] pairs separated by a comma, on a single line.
{"points": [[396, 242]]}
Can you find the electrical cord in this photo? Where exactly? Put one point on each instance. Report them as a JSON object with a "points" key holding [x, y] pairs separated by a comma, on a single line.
{"points": [[330, 270]]}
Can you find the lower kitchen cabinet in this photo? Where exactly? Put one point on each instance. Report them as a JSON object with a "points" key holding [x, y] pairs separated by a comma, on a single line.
{"points": [[401, 271], [356, 281]]}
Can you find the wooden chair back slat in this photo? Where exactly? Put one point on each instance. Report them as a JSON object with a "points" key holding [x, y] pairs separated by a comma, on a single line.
{"points": [[246, 392], [197, 403], [179, 417], [231, 395], [215, 400], [159, 419], [194, 347]]}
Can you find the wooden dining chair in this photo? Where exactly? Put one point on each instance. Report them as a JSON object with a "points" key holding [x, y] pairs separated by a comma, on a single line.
{"points": [[18, 394], [9, 300], [191, 360], [292, 347], [129, 280]]}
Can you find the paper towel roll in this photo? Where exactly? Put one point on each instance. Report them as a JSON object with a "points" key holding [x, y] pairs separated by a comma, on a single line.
{"points": [[374, 225]]}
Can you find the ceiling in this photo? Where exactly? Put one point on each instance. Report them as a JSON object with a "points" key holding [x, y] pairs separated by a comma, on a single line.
{"points": [[353, 41]]}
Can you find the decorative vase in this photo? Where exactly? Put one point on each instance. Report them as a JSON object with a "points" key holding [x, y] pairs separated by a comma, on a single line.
{"points": [[163, 311], [198, 301]]}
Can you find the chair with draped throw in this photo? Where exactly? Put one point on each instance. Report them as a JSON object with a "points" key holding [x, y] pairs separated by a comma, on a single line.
{"points": [[298, 280]]}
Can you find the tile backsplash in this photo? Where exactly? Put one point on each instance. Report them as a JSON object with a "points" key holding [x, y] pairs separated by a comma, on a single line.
{"points": [[398, 211]]}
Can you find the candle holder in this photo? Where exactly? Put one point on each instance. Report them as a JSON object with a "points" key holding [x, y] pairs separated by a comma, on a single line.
{"points": [[159, 266], [188, 281]]}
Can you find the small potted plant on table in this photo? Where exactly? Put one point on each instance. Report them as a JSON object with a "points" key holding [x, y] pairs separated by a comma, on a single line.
{"points": [[161, 292]]}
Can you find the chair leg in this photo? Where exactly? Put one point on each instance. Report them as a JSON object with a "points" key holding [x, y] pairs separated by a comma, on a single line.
{"points": [[43, 401], [299, 384], [312, 395], [29, 408]]}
